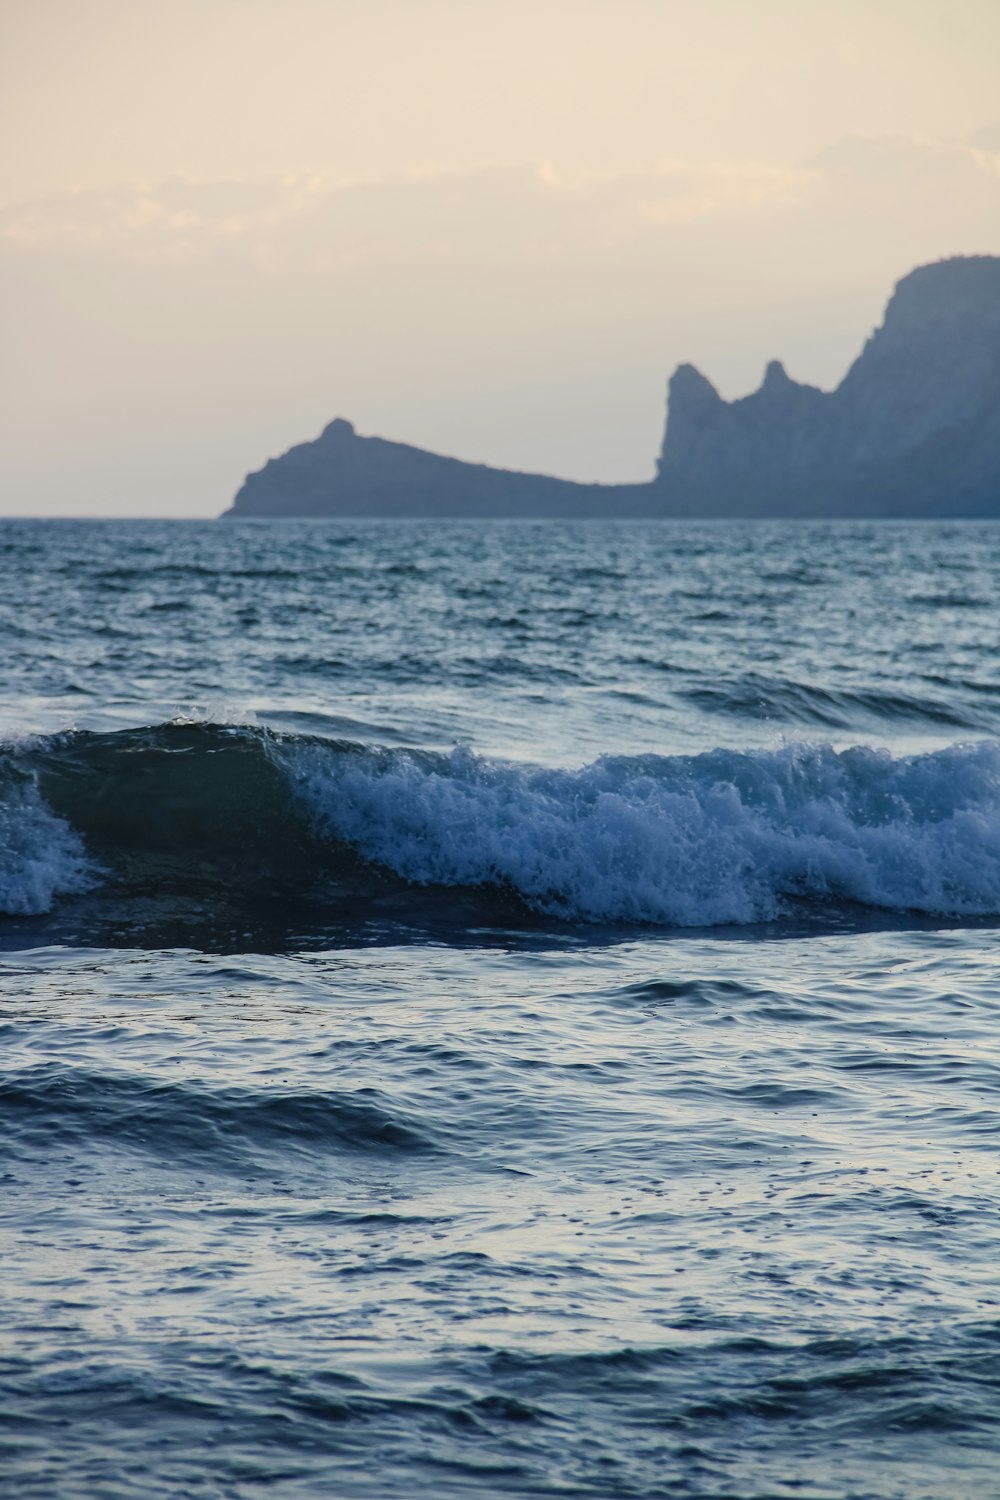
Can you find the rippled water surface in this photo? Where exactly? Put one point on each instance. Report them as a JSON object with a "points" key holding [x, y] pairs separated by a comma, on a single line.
{"points": [[499, 1010]]}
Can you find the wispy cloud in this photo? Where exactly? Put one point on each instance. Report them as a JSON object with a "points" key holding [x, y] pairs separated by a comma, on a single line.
{"points": [[511, 210]]}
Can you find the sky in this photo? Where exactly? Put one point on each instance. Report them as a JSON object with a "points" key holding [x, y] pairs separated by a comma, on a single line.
{"points": [[488, 227]]}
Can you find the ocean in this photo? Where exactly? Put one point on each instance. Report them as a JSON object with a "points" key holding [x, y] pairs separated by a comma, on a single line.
{"points": [[499, 1009]]}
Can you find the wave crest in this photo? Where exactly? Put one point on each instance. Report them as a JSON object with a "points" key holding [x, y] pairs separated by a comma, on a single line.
{"points": [[700, 840], [220, 812]]}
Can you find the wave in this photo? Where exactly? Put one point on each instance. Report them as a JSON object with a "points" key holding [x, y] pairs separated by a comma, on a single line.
{"points": [[209, 814], [50, 1106], [755, 696]]}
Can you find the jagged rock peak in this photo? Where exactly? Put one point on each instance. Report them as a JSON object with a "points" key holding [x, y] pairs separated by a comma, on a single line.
{"points": [[338, 428], [778, 389], [693, 408], [690, 387], [931, 369], [775, 376]]}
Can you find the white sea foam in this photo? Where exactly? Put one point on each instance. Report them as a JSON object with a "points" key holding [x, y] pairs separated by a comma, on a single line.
{"points": [[722, 837], [41, 857]]}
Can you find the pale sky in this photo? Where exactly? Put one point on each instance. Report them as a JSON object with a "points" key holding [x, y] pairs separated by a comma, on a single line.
{"points": [[489, 227]]}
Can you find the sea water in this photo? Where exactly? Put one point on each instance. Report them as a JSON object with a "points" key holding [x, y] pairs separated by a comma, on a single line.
{"points": [[499, 1009]]}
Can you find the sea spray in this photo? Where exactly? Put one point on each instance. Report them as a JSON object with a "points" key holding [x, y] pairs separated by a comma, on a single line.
{"points": [[722, 837], [41, 857]]}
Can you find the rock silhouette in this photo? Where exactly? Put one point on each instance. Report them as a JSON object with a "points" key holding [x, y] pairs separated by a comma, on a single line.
{"points": [[912, 430]]}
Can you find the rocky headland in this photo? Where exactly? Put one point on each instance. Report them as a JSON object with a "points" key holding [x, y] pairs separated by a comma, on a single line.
{"points": [[912, 430]]}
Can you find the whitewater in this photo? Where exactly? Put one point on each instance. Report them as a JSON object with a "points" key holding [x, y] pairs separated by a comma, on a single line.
{"points": [[503, 1008]]}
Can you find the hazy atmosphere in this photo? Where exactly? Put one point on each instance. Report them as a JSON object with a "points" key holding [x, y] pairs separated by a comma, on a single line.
{"points": [[488, 229], [500, 749]]}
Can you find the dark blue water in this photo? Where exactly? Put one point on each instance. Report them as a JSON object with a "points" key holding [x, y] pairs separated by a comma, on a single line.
{"points": [[499, 1010]]}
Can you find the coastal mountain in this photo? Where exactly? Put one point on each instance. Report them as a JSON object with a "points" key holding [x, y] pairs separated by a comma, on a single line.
{"points": [[342, 474], [913, 429]]}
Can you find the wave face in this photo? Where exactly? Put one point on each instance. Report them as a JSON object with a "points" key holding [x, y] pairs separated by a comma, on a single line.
{"points": [[216, 813]]}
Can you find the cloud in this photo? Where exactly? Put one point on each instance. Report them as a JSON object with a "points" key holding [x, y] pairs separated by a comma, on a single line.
{"points": [[899, 166], [172, 217], [305, 224], [513, 209]]}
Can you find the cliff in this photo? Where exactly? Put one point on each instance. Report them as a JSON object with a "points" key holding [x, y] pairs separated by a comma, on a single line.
{"points": [[912, 430]]}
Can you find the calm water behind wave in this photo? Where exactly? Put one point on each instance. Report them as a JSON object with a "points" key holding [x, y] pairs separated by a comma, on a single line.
{"points": [[553, 643], [499, 1010]]}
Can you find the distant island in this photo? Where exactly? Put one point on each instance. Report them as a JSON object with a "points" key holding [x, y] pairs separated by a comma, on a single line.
{"points": [[912, 430]]}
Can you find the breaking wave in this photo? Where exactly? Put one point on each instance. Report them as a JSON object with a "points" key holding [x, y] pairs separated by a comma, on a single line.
{"points": [[728, 836], [41, 857]]}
